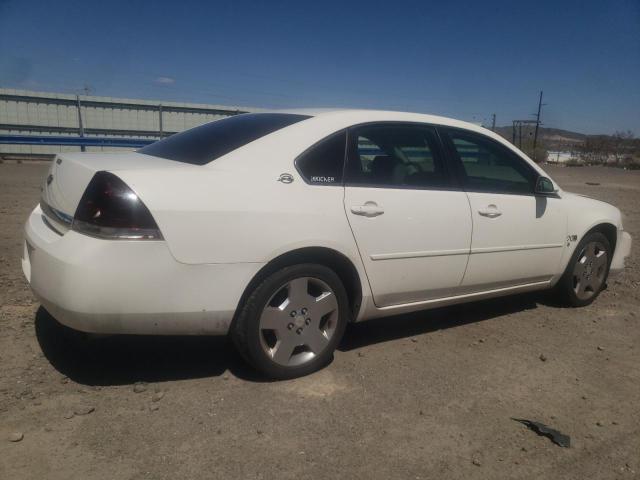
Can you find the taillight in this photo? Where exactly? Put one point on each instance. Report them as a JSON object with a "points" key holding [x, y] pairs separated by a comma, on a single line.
{"points": [[110, 209]]}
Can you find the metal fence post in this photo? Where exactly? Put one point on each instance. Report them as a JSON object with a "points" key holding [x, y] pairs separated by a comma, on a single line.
{"points": [[80, 127]]}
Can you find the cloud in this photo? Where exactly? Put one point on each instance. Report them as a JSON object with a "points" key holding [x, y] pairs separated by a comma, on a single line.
{"points": [[165, 80]]}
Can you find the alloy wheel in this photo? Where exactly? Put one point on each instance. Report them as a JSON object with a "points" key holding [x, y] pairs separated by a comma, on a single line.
{"points": [[298, 321], [590, 270]]}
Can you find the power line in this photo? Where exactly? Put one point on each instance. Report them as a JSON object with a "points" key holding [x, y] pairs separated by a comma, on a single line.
{"points": [[315, 93]]}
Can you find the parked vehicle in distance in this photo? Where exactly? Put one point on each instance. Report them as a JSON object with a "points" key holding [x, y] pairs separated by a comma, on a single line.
{"points": [[280, 228]]}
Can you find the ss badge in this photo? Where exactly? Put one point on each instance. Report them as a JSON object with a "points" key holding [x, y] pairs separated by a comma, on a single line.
{"points": [[285, 178]]}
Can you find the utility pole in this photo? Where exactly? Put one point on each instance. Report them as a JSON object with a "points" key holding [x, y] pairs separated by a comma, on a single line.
{"points": [[520, 135], [493, 122], [80, 127], [513, 132], [160, 118], [535, 135]]}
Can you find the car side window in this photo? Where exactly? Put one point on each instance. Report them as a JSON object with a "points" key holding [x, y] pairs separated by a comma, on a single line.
{"points": [[488, 166], [323, 163], [395, 156]]}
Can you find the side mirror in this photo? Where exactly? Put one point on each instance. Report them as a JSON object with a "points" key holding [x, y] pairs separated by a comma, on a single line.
{"points": [[544, 186]]}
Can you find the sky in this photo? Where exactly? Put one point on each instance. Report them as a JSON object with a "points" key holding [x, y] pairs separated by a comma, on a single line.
{"points": [[463, 59]]}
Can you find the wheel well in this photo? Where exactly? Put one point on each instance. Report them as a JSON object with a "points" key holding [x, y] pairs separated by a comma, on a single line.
{"points": [[608, 230], [341, 265]]}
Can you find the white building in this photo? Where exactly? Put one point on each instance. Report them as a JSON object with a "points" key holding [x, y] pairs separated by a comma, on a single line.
{"points": [[560, 157], [38, 115]]}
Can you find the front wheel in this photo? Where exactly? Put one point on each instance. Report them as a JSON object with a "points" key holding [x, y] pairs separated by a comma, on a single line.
{"points": [[587, 271], [292, 322]]}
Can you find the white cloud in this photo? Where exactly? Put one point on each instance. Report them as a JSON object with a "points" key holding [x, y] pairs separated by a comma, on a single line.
{"points": [[165, 80]]}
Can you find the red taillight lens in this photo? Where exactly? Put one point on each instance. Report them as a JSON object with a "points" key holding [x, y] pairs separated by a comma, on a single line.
{"points": [[110, 209]]}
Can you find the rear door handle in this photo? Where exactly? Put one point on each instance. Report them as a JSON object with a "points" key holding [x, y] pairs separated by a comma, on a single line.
{"points": [[491, 211], [369, 209]]}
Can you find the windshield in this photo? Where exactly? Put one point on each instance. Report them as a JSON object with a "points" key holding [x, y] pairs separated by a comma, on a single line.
{"points": [[203, 144]]}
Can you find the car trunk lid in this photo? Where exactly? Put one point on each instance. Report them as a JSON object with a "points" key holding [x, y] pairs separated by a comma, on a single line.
{"points": [[70, 173]]}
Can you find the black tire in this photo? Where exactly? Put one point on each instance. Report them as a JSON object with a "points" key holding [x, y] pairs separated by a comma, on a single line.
{"points": [[565, 290], [247, 333]]}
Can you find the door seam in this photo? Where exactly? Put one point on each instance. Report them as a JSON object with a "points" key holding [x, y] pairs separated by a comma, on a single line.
{"points": [[364, 267], [470, 238]]}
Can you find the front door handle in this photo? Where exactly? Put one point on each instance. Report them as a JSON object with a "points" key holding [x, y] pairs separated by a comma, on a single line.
{"points": [[369, 209], [491, 211]]}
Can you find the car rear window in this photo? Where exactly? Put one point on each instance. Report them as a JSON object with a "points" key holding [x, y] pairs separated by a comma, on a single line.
{"points": [[203, 144]]}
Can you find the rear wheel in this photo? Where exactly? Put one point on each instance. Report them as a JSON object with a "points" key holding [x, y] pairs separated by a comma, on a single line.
{"points": [[587, 272], [292, 322]]}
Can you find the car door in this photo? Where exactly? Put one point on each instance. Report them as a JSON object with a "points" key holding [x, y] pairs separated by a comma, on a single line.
{"points": [[518, 237], [411, 223]]}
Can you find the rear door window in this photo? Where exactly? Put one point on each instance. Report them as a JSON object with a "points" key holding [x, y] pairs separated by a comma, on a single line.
{"points": [[396, 155], [203, 144]]}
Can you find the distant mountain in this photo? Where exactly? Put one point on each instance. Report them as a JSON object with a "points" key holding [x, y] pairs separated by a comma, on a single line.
{"points": [[552, 138]]}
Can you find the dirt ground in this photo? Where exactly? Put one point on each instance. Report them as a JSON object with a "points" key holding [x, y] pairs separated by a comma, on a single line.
{"points": [[421, 396]]}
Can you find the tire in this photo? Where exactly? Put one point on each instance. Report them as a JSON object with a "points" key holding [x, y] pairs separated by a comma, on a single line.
{"points": [[292, 322], [587, 271]]}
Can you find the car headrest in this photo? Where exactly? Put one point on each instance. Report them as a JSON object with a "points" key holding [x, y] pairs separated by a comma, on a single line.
{"points": [[382, 166]]}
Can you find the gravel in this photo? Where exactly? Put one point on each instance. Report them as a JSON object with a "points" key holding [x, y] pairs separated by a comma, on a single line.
{"points": [[357, 418], [16, 437]]}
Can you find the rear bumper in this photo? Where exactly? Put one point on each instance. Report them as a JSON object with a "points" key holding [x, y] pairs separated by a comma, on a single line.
{"points": [[132, 287], [623, 250]]}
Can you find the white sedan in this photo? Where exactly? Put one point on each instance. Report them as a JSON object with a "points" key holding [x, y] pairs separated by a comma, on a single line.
{"points": [[280, 228]]}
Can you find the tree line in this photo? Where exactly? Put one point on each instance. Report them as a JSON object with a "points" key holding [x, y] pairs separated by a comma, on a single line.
{"points": [[621, 149]]}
